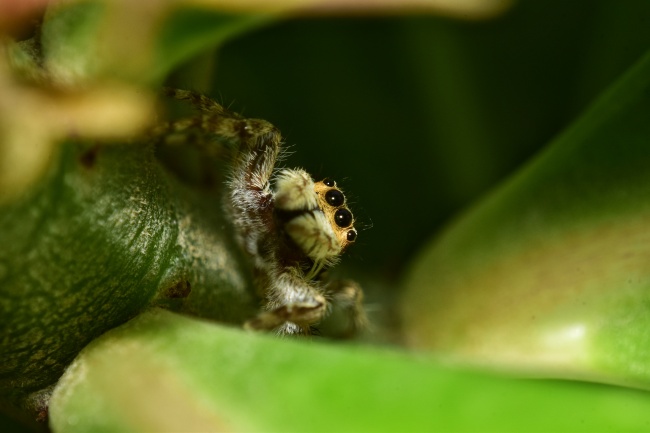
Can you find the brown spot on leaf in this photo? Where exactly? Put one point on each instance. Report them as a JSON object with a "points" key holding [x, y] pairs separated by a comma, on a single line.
{"points": [[89, 157], [181, 289], [43, 415]]}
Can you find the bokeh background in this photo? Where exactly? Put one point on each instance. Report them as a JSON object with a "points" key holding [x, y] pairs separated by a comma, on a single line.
{"points": [[418, 116]]}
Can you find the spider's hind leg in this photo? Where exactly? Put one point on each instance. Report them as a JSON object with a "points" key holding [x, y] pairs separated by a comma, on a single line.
{"points": [[252, 147]]}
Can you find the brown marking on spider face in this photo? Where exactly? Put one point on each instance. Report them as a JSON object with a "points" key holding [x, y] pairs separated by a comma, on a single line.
{"points": [[331, 201]]}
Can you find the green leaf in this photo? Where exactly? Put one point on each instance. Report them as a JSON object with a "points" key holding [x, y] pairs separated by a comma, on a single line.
{"points": [[549, 273], [164, 372], [87, 40], [108, 233], [93, 40], [190, 31]]}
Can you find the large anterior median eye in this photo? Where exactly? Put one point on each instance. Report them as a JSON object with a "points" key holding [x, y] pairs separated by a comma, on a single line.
{"points": [[334, 197], [343, 217]]}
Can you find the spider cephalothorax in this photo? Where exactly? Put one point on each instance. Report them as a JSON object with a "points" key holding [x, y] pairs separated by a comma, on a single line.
{"points": [[291, 227], [315, 217]]}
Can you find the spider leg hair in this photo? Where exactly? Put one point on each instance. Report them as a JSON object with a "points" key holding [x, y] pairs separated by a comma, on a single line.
{"points": [[254, 146], [292, 301], [294, 190]]}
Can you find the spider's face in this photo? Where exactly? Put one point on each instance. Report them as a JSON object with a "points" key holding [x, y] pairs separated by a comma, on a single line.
{"points": [[318, 219], [332, 202]]}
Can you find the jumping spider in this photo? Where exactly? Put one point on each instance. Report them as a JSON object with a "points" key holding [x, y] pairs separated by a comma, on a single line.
{"points": [[292, 228]]}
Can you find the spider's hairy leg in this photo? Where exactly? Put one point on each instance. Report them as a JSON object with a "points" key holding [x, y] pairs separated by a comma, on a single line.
{"points": [[197, 100], [213, 119], [253, 146], [293, 307], [294, 191], [243, 136]]}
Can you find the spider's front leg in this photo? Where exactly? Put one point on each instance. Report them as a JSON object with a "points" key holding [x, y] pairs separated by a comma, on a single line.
{"points": [[292, 308], [252, 147]]}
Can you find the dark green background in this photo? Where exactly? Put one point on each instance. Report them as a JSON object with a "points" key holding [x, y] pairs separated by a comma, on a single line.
{"points": [[418, 116]]}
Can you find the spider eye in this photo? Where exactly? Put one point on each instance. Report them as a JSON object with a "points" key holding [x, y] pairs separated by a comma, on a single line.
{"points": [[329, 182], [334, 197], [352, 235], [343, 217]]}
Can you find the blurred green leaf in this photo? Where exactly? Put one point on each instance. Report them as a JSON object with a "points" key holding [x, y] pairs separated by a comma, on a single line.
{"points": [[190, 31], [163, 372], [140, 42], [549, 274]]}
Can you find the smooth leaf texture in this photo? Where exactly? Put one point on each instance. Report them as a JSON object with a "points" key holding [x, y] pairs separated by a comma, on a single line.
{"points": [[163, 372], [549, 273]]}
